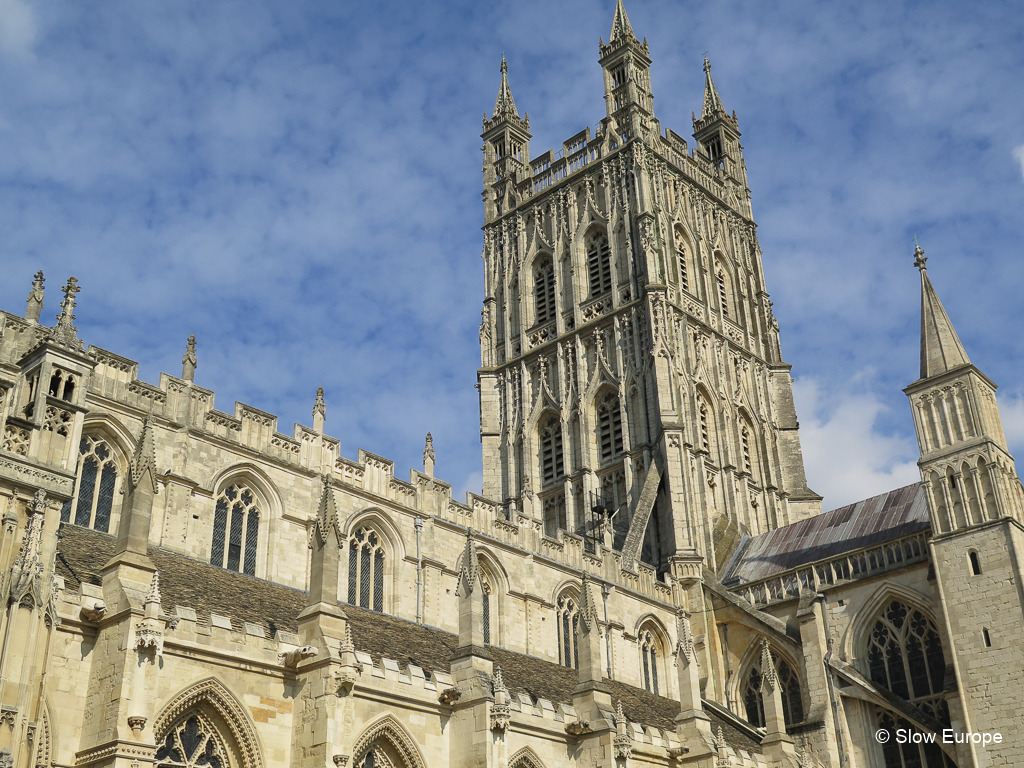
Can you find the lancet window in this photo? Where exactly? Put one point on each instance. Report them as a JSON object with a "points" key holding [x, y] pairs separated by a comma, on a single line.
{"points": [[705, 429], [236, 527], [486, 597], [366, 570], [96, 486], [609, 427], [789, 685], [568, 623], [684, 277], [723, 291], [650, 651], [599, 264], [192, 743], [544, 291], [748, 466]]}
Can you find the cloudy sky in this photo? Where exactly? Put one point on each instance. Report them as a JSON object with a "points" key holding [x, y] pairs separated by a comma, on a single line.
{"points": [[298, 184]]}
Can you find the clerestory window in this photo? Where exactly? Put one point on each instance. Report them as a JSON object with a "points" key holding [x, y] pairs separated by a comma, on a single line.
{"points": [[236, 527], [568, 623], [366, 570], [650, 650], [789, 685], [96, 486]]}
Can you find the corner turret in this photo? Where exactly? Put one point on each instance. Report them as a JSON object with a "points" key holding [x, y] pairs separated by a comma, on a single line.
{"points": [[506, 150]]}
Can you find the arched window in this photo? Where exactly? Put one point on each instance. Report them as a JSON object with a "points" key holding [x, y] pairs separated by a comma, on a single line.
{"points": [[975, 564], [704, 418], [192, 743], [366, 570], [97, 482], [544, 291], [551, 456], [745, 448], [599, 263], [789, 685], [609, 427], [485, 595], [236, 526], [568, 623], [723, 292], [908, 754], [650, 650], [905, 655]]}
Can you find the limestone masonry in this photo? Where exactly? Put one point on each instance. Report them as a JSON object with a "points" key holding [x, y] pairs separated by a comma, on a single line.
{"points": [[647, 579]]}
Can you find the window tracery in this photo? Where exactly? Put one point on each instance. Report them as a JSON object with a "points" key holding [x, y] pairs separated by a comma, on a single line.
{"points": [[96, 485], [568, 623], [366, 570], [650, 650], [236, 522], [192, 743], [789, 685]]}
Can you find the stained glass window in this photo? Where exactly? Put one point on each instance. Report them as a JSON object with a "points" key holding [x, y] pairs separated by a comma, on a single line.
{"points": [[236, 523]]}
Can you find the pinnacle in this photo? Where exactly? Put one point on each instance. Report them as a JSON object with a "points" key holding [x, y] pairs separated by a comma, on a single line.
{"points": [[941, 349], [621, 28], [504, 105], [712, 103]]}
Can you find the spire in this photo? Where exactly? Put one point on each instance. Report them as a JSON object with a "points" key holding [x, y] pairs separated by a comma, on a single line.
{"points": [[504, 105], [35, 298], [712, 102], [65, 333], [941, 349], [319, 411], [189, 362], [621, 28]]}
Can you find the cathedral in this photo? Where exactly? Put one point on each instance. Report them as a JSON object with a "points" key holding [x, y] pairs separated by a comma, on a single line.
{"points": [[646, 581]]}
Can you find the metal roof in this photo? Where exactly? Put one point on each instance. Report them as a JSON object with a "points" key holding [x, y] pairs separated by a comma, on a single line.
{"points": [[866, 523]]}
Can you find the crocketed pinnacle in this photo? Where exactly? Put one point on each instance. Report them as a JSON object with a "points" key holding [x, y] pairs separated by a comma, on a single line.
{"points": [[588, 610], [144, 458], [504, 105], [712, 103], [941, 349], [769, 677], [469, 574], [621, 28]]}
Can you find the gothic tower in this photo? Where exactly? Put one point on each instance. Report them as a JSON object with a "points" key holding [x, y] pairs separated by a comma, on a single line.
{"points": [[977, 509], [632, 388]]}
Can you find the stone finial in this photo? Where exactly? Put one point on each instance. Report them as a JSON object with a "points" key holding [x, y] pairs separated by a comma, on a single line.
{"points": [[769, 677], [189, 362], [685, 648], [153, 596], [35, 298], [65, 333], [319, 411], [588, 608], [919, 258], [428, 456], [469, 573]]}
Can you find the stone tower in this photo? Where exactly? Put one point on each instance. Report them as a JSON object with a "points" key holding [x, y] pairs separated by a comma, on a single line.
{"points": [[632, 388], [977, 509]]}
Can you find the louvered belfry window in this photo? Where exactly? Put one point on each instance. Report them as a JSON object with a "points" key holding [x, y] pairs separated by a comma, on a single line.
{"points": [[544, 291], [236, 522], [97, 483], [609, 425], [684, 278], [599, 264], [552, 460], [366, 570]]}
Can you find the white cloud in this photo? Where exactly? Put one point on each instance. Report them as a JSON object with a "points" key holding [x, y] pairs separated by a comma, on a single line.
{"points": [[846, 458], [1011, 409], [17, 27], [1018, 153]]}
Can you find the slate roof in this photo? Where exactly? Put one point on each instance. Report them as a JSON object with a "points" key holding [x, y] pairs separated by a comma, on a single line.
{"points": [[81, 554], [866, 523]]}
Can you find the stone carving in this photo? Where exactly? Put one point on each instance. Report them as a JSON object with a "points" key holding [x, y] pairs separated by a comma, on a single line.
{"points": [[137, 723], [94, 610], [65, 333], [449, 696], [622, 742], [500, 711], [35, 298], [189, 362], [292, 658]]}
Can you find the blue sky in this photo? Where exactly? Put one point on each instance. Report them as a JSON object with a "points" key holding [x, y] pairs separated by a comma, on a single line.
{"points": [[298, 184]]}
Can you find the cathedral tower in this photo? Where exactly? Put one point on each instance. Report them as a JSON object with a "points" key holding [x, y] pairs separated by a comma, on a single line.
{"points": [[977, 509], [632, 388]]}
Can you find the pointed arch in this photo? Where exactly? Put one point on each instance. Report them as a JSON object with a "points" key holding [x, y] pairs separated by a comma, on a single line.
{"points": [[567, 601], [214, 699], [46, 741], [747, 684], [684, 257], [374, 549], [525, 758], [653, 643], [389, 731], [855, 642], [496, 585], [102, 463]]}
